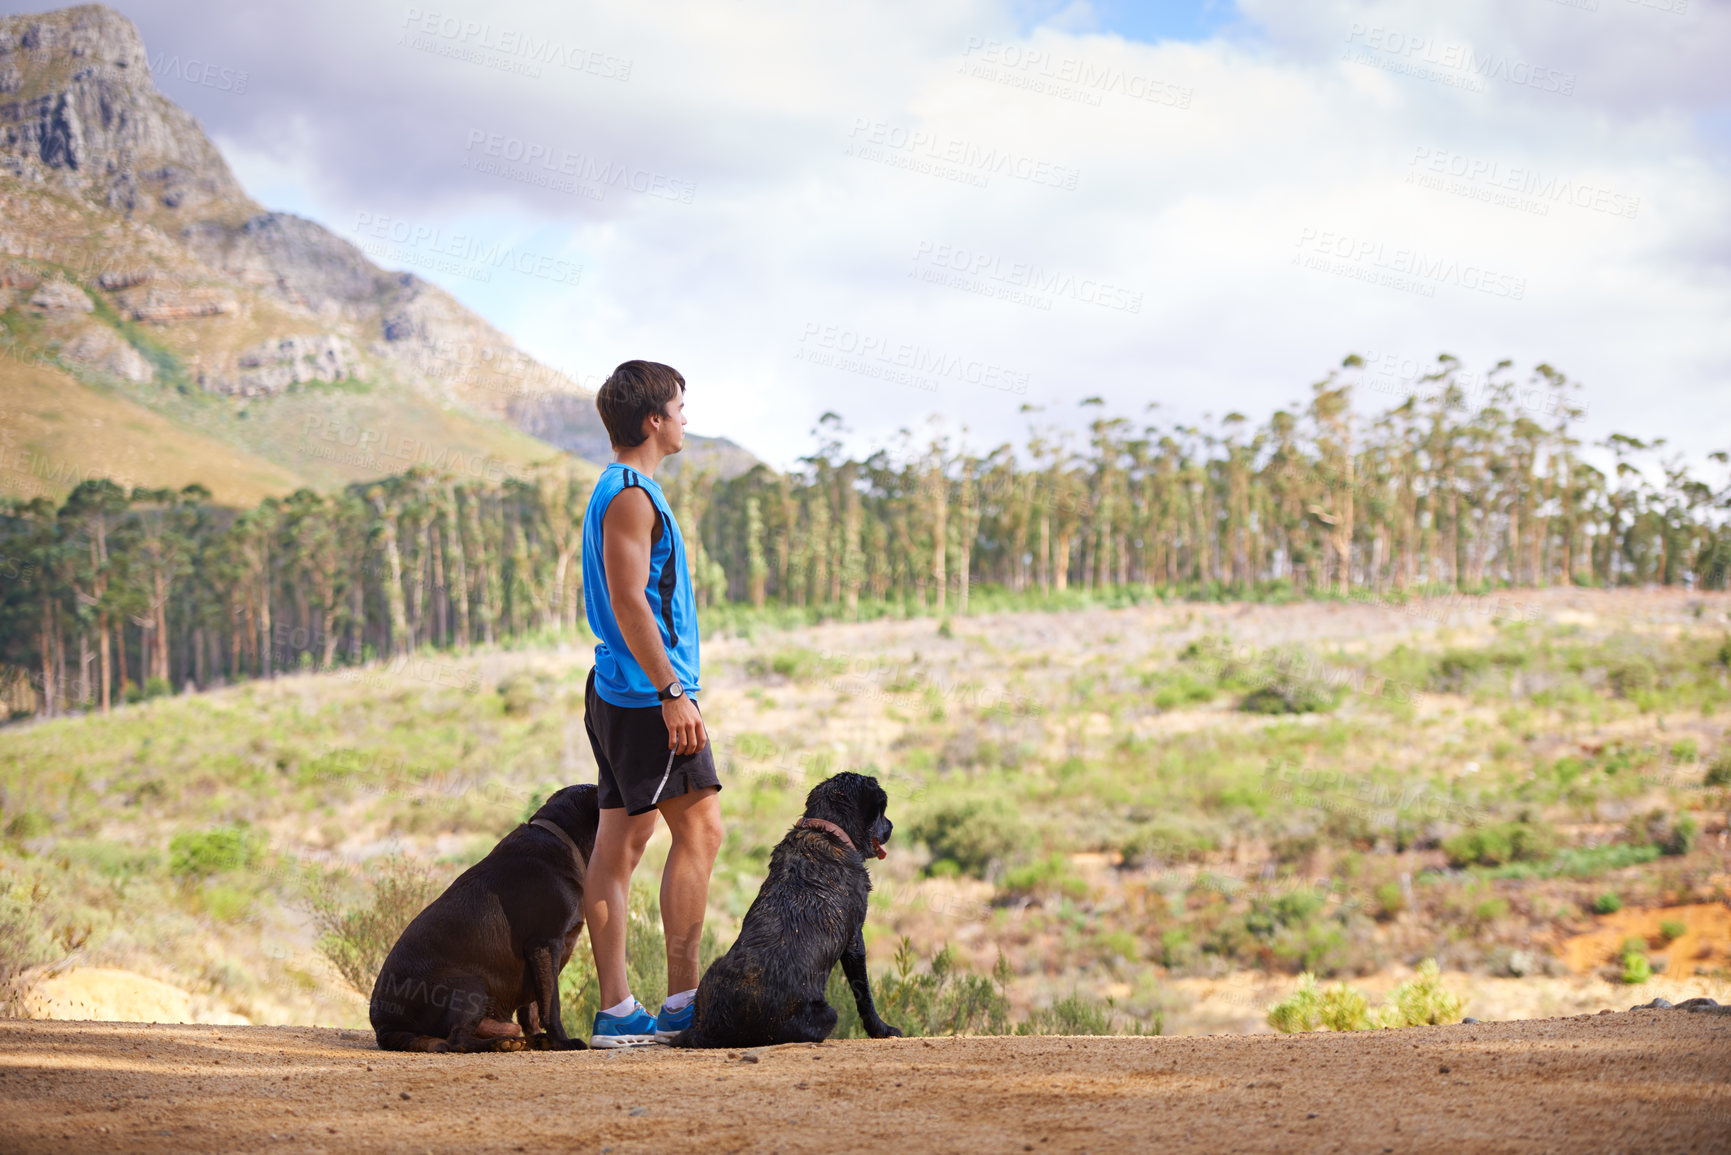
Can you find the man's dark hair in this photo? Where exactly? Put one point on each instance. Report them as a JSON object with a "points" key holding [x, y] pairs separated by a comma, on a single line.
{"points": [[636, 390]]}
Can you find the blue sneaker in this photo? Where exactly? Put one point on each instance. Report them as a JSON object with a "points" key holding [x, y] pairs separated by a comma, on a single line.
{"points": [[632, 1030], [670, 1023]]}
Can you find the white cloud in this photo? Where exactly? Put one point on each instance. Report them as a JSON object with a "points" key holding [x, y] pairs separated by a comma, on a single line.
{"points": [[1200, 172]]}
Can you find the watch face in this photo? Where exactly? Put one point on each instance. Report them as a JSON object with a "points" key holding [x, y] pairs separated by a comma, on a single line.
{"points": [[675, 690]]}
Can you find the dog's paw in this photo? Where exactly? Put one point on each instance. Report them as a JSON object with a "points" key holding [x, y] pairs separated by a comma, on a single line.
{"points": [[883, 1031], [575, 1045], [509, 1045]]}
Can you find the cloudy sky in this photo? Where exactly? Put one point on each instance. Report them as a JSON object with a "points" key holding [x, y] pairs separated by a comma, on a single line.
{"points": [[899, 210]]}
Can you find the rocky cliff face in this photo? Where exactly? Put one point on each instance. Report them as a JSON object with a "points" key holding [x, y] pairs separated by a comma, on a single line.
{"points": [[80, 113], [130, 256]]}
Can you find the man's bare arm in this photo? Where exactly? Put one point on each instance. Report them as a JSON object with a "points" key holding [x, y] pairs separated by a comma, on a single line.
{"points": [[626, 541]]}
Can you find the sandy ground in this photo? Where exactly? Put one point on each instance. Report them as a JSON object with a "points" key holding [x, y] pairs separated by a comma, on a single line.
{"points": [[1637, 1081]]}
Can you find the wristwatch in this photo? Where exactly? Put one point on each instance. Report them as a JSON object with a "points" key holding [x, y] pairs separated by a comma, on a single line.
{"points": [[670, 691]]}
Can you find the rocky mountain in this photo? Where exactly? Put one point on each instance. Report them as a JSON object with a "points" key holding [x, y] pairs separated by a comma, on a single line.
{"points": [[154, 320]]}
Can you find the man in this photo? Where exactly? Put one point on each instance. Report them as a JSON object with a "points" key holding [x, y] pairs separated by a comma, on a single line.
{"points": [[639, 707]]}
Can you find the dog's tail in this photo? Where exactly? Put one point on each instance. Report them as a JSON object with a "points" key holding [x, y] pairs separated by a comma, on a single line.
{"points": [[410, 1041]]}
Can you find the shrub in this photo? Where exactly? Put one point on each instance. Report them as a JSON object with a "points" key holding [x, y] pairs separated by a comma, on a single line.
{"points": [[1636, 967], [1422, 1001], [1607, 903], [1719, 770], [941, 1000], [972, 835], [1672, 835], [202, 853], [27, 824], [1685, 750], [1183, 689], [1047, 877], [1632, 676], [1157, 843], [1299, 1012], [357, 939], [1289, 691], [157, 688], [520, 693], [1345, 1008], [23, 942], [1671, 929], [1073, 1015], [1390, 900], [1498, 844]]}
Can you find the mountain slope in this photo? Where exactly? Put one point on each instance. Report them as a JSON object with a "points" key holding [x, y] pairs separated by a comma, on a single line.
{"points": [[133, 266]]}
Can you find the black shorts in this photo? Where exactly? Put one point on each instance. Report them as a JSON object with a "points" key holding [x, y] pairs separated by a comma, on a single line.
{"points": [[631, 753]]}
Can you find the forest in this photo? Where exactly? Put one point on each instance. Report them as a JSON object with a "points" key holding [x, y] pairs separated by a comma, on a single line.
{"points": [[1472, 482]]}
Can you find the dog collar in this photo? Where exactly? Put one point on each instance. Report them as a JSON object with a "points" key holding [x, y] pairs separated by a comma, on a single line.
{"points": [[576, 855], [825, 824]]}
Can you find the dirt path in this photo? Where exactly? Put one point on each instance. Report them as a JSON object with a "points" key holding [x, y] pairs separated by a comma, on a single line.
{"points": [[1640, 1081]]}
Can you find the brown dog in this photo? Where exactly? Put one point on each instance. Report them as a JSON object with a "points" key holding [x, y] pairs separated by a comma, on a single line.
{"points": [[492, 946]]}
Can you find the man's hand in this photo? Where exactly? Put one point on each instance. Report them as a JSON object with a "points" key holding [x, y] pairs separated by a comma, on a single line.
{"points": [[685, 733]]}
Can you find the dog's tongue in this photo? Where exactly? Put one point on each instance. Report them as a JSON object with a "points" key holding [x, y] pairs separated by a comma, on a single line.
{"points": [[878, 849]]}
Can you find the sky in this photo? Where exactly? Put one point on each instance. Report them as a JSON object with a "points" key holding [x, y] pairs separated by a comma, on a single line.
{"points": [[981, 213]]}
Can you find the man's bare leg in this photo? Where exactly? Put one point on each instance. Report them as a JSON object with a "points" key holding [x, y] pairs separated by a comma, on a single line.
{"points": [[694, 820], [619, 843]]}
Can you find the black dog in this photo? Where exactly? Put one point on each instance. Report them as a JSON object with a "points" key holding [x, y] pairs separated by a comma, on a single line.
{"points": [[493, 944], [769, 987]]}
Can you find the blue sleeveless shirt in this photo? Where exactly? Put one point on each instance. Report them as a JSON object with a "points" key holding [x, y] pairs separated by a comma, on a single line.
{"points": [[618, 677]]}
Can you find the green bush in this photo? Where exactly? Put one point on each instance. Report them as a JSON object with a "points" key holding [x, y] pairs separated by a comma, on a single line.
{"points": [[1501, 843], [1299, 1012], [27, 824], [202, 853], [1345, 1008], [1419, 1001], [157, 688], [1672, 929], [1049, 877], [1632, 676], [1422, 1000], [1160, 843], [356, 939], [941, 1000], [1673, 835], [1073, 1015], [1719, 770], [1636, 967], [972, 835], [1290, 688], [1183, 689], [1607, 903]]}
